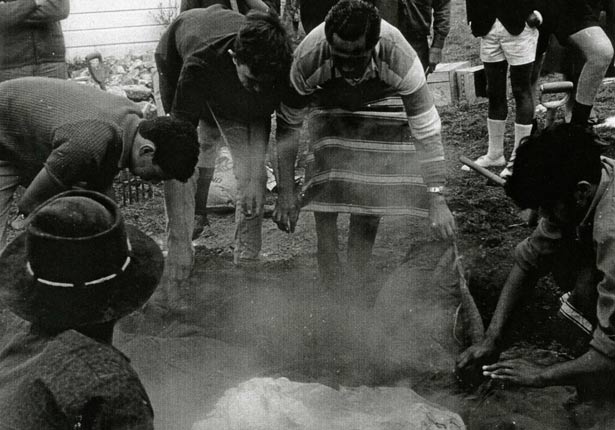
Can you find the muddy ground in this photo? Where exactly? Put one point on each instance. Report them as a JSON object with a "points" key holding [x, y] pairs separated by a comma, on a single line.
{"points": [[274, 319], [278, 316]]}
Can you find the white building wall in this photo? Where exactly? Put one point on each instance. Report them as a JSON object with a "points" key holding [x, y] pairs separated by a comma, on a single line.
{"points": [[115, 27]]}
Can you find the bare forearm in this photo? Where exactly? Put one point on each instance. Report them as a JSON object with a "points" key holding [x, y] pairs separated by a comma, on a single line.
{"points": [[590, 366], [515, 286], [287, 147]]}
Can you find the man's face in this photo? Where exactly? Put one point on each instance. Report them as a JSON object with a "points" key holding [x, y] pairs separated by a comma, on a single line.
{"points": [[570, 212], [350, 58], [141, 161], [562, 213], [252, 83]]}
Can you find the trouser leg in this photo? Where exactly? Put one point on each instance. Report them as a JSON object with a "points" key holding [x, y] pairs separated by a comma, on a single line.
{"points": [[327, 247], [361, 238], [179, 208], [598, 52], [248, 146]]}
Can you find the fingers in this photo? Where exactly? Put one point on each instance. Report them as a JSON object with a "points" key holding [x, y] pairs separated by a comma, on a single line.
{"points": [[444, 231], [463, 360]]}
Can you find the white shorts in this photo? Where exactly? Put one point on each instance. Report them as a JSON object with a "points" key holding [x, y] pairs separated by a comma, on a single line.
{"points": [[499, 45]]}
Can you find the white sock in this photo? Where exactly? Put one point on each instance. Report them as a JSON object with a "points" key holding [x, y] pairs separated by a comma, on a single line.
{"points": [[521, 131], [496, 128]]}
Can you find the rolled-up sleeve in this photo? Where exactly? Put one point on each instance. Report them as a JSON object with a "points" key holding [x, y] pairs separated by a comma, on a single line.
{"points": [[536, 253]]}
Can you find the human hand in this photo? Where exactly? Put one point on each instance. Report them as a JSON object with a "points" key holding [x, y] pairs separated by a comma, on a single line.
{"points": [[435, 57], [286, 212], [20, 222], [519, 371], [478, 354], [251, 199], [441, 219]]}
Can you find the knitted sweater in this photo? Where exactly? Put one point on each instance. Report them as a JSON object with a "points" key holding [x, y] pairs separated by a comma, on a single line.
{"points": [[77, 133], [68, 381]]}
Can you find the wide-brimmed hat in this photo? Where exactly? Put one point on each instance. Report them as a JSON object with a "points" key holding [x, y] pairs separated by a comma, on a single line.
{"points": [[78, 264]]}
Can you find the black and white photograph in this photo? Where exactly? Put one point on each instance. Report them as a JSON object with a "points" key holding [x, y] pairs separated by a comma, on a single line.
{"points": [[307, 215]]}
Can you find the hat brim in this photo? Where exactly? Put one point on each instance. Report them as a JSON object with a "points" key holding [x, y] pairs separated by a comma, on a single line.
{"points": [[66, 307]]}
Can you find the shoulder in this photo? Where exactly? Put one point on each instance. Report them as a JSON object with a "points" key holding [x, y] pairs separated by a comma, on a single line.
{"points": [[313, 49], [217, 14], [81, 370]]}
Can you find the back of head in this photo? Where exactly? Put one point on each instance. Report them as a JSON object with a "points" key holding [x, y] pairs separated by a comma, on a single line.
{"points": [[550, 164], [263, 45], [351, 19], [177, 147]]}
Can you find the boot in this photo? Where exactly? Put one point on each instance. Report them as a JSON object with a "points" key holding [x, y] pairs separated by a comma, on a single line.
{"points": [[206, 174]]}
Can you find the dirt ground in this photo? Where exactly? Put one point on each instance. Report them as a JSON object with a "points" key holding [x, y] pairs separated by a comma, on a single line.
{"points": [[284, 324], [273, 318]]}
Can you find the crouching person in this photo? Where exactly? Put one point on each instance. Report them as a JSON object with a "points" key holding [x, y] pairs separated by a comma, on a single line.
{"points": [[560, 173], [71, 275], [57, 134]]}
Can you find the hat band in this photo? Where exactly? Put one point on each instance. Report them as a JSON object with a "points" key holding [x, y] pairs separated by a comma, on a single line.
{"points": [[88, 283]]}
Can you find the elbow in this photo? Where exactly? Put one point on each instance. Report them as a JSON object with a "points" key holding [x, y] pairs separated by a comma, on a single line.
{"points": [[63, 10]]}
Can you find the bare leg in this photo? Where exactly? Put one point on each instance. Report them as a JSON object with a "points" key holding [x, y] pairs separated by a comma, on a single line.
{"points": [[361, 238], [327, 246]]}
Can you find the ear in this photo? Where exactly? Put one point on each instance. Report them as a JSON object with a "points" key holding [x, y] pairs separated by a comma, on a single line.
{"points": [[584, 193], [147, 149]]}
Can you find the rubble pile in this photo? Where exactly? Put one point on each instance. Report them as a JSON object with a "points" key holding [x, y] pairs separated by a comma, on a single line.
{"points": [[130, 76]]}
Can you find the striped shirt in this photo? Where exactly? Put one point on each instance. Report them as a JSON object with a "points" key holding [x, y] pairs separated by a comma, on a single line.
{"points": [[395, 66]]}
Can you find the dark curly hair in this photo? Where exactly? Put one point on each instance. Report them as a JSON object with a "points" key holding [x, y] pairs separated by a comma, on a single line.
{"points": [[177, 147], [351, 19], [263, 45], [550, 164]]}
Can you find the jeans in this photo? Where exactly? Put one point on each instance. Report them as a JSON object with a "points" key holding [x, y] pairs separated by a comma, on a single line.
{"points": [[248, 145]]}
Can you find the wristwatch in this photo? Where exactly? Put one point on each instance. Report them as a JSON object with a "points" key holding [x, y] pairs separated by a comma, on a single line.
{"points": [[436, 190]]}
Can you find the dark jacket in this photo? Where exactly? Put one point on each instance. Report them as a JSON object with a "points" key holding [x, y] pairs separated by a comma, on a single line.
{"points": [[415, 19], [243, 8], [68, 381], [195, 69], [511, 13], [30, 34]]}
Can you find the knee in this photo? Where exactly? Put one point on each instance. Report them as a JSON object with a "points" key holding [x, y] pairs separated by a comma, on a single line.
{"points": [[496, 94], [601, 56]]}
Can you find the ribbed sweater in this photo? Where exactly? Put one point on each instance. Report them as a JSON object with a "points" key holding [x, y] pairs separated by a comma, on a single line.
{"points": [[77, 132]]}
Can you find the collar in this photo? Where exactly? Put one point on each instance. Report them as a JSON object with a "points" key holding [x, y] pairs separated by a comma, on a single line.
{"points": [[129, 130], [371, 71]]}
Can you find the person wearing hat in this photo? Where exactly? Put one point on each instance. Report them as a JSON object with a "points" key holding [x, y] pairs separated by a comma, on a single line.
{"points": [[57, 134], [71, 275]]}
